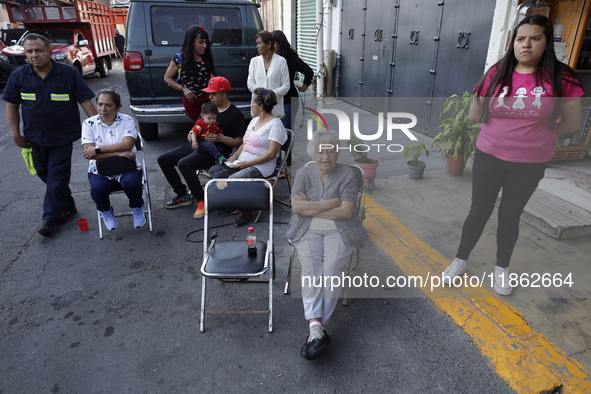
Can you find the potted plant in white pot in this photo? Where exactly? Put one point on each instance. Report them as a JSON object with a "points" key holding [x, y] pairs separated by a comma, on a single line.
{"points": [[416, 168], [457, 139], [368, 164]]}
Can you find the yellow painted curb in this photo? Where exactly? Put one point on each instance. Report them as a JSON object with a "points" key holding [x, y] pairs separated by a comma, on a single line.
{"points": [[527, 360]]}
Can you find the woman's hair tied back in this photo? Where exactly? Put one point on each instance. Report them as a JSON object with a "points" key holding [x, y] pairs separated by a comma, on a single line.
{"points": [[266, 98], [112, 93]]}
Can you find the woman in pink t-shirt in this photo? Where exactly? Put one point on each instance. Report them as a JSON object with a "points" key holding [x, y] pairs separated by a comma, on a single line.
{"points": [[518, 102]]}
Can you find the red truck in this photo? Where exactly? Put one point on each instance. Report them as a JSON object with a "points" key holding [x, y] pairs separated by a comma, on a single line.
{"points": [[80, 34]]}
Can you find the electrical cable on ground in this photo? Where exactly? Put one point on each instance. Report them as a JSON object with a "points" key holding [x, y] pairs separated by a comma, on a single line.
{"points": [[218, 226]]}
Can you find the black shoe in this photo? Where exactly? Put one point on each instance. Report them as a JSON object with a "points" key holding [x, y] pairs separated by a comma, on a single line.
{"points": [[317, 345], [242, 219], [304, 351], [66, 215], [47, 228], [228, 212]]}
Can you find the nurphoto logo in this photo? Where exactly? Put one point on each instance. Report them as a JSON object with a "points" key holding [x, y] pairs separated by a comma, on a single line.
{"points": [[344, 130]]}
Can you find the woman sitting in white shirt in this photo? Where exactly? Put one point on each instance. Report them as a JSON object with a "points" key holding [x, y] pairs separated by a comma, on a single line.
{"points": [[255, 158], [111, 134]]}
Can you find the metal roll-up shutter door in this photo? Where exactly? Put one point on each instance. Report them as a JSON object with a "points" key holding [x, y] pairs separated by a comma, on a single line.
{"points": [[306, 32]]}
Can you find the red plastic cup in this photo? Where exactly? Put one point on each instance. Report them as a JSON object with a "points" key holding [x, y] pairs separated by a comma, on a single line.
{"points": [[83, 224]]}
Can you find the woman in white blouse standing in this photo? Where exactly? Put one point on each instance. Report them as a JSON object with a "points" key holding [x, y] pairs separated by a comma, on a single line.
{"points": [[269, 71]]}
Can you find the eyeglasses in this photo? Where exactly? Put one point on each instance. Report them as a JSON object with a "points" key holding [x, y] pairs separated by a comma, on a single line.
{"points": [[329, 153]]}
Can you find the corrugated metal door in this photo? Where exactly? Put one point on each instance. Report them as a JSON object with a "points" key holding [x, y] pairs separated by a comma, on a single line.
{"points": [[435, 48], [306, 32], [352, 43], [416, 58], [377, 57], [465, 34]]}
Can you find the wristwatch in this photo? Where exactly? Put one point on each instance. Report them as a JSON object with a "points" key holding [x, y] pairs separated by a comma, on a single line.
{"points": [[97, 150]]}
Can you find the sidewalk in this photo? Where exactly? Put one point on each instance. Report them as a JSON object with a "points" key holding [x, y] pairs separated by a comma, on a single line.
{"points": [[433, 210]]}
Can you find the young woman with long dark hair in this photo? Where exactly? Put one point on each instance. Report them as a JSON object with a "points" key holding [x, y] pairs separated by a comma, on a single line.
{"points": [[524, 102], [196, 68]]}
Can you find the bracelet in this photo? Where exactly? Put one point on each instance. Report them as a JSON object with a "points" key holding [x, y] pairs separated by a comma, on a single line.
{"points": [[183, 87]]}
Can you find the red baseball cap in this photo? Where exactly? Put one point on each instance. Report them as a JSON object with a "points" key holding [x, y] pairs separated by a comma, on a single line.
{"points": [[217, 84]]}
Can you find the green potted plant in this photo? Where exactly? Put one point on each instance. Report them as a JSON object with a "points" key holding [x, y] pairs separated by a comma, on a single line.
{"points": [[416, 168], [361, 212], [457, 139], [368, 164]]}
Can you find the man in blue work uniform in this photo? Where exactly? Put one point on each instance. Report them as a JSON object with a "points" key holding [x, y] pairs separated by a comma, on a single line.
{"points": [[49, 93]]}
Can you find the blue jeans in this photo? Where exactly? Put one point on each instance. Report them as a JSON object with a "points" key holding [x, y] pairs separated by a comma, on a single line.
{"points": [[209, 147], [489, 175], [101, 187], [287, 121], [290, 112]]}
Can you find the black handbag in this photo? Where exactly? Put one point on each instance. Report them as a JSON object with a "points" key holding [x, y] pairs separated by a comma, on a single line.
{"points": [[110, 166]]}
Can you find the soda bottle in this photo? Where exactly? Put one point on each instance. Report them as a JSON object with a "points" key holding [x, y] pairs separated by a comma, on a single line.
{"points": [[251, 241]]}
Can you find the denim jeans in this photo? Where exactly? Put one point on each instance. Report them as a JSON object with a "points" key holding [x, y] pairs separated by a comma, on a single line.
{"points": [[101, 187], [489, 176], [209, 147]]}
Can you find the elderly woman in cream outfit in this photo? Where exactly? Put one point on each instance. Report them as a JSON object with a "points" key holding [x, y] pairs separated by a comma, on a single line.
{"points": [[324, 231]]}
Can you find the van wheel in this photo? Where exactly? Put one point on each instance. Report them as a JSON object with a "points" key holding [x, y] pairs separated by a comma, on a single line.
{"points": [[103, 68], [149, 131], [78, 68]]}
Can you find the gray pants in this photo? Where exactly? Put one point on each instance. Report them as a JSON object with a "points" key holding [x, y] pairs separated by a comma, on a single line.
{"points": [[323, 254], [222, 171]]}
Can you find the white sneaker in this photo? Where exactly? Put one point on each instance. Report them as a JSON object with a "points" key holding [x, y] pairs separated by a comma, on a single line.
{"points": [[455, 269], [109, 219], [502, 285], [139, 217]]}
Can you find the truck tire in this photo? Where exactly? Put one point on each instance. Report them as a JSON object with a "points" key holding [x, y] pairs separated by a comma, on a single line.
{"points": [[103, 68], [78, 68], [149, 131]]}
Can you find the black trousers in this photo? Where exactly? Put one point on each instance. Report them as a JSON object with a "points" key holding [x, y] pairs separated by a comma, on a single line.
{"points": [[188, 161], [54, 167], [489, 176]]}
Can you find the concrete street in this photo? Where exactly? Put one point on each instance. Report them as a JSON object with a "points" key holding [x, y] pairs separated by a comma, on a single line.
{"points": [[84, 315]]}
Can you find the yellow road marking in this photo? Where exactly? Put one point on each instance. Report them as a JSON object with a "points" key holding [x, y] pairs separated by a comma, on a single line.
{"points": [[527, 360]]}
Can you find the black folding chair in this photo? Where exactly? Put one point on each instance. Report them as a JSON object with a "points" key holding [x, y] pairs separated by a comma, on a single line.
{"points": [[283, 170], [229, 260], [139, 146]]}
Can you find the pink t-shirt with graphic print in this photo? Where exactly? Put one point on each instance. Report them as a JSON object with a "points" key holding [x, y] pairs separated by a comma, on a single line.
{"points": [[257, 143], [517, 130]]}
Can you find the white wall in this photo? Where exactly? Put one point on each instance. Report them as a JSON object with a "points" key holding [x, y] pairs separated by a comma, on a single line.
{"points": [[504, 15], [272, 14], [332, 37], [4, 21], [332, 21]]}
